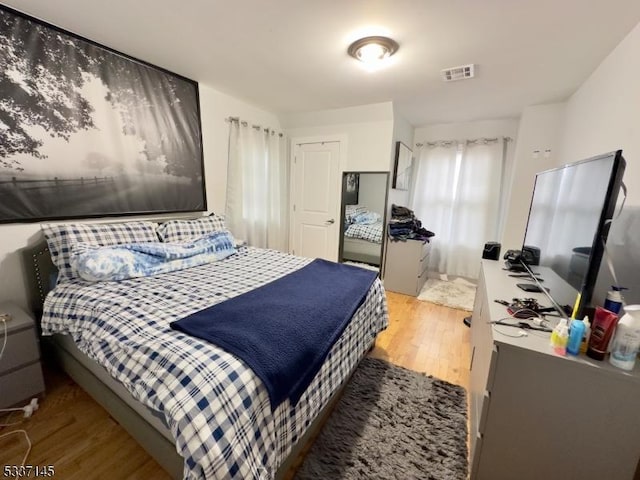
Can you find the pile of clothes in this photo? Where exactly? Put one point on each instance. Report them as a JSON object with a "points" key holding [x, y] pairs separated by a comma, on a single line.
{"points": [[404, 225]]}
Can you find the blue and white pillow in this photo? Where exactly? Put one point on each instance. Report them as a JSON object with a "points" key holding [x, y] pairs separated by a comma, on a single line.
{"points": [[61, 238], [351, 211], [134, 260], [367, 218]]}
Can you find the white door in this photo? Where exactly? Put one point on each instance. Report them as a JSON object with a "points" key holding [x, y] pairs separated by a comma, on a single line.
{"points": [[316, 200]]}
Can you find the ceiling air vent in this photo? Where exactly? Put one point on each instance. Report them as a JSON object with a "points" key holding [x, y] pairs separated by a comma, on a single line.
{"points": [[458, 73]]}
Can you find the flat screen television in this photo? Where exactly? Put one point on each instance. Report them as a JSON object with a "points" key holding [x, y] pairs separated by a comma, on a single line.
{"points": [[569, 219]]}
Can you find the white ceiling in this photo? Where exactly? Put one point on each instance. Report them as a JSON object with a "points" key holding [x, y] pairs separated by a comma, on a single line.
{"points": [[289, 56]]}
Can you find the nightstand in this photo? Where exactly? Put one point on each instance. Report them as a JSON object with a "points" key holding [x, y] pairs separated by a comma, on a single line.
{"points": [[20, 370], [406, 264]]}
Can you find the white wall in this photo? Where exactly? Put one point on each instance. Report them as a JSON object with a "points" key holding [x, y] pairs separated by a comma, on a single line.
{"points": [[540, 130], [403, 132], [368, 130], [602, 116], [506, 127], [372, 191], [215, 107]]}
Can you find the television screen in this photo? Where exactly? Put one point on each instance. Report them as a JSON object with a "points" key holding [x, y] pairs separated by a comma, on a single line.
{"points": [[568, 220]]}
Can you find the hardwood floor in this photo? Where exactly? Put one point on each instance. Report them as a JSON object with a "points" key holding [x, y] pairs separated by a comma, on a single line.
{"points": [[78, 437], [426, 337]]}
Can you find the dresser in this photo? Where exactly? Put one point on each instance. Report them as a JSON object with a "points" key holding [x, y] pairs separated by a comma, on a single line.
{"points": [[20, 370], [535, 415], [406, 264]]}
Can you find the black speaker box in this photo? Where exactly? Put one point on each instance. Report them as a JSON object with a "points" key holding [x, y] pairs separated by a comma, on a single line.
{"points": [[531, 255], [491, 251]]}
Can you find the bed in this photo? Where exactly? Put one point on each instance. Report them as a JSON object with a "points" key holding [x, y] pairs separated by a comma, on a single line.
{"points": [[363, 234], [200, 411]]}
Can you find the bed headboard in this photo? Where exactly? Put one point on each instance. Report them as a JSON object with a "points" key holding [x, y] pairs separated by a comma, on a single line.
{"points": [[38, 269]]}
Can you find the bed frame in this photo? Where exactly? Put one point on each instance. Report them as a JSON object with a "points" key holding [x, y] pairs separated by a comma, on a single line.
{"points": [[109, 393], [359, 250]]}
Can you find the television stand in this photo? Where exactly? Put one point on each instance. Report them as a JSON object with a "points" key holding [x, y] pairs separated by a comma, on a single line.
{"points": [[524, 417]]}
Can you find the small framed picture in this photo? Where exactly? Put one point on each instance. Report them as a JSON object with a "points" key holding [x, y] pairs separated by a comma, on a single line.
{"points": [[403, 167]]}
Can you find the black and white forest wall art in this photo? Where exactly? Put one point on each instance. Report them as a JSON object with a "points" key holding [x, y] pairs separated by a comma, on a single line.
{"points": [[86, 131]]}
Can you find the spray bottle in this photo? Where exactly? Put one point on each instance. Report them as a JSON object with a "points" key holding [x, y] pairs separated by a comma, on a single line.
{"points": [[613, 302]]}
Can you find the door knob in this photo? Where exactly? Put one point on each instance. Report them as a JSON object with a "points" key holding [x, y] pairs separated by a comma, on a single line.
{"points": [[330, 222]]}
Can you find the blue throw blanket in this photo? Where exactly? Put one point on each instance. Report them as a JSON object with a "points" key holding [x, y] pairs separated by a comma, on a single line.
{"points": [[132, 260], [285, 329]]}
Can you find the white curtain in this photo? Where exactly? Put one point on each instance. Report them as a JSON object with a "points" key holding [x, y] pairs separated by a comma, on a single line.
{"points": [[457, 196], [257, 187], [278, 191]]}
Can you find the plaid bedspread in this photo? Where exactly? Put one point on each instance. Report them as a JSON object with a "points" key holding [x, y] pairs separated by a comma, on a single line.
{"points": [[371, 233], [216, 408]]}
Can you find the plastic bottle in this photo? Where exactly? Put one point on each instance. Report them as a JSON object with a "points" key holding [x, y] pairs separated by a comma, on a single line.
{"points": [[604, 323], [585, 337], [626, 342], [553, 340], [563, 339], [613, 302], [560, 336], [576, 334]]}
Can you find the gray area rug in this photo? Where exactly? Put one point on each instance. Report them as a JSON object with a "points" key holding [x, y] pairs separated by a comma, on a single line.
{"points": [[392, 423]]}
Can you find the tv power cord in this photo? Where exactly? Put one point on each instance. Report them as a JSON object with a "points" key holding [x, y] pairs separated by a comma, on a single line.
{"points": [[26, 436], [3, 320], [27, 411]]}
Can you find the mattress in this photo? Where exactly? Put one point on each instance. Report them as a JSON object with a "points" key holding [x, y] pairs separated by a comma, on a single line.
{"points": [[369, 232], [215, 408], [152, 417]]}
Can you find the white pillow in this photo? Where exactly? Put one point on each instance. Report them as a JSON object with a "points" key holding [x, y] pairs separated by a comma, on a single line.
{"points": [[176, 231]]}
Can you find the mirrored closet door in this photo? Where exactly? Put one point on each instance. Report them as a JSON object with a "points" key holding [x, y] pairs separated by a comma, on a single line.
{"points": [[364, 206]]}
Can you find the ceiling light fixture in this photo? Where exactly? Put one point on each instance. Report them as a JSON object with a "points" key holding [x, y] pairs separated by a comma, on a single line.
{"points": [[372, 49]]}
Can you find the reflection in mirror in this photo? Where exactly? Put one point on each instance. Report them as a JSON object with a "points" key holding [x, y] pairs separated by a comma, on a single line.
{"points": [[364, 200], [403, 167]]}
